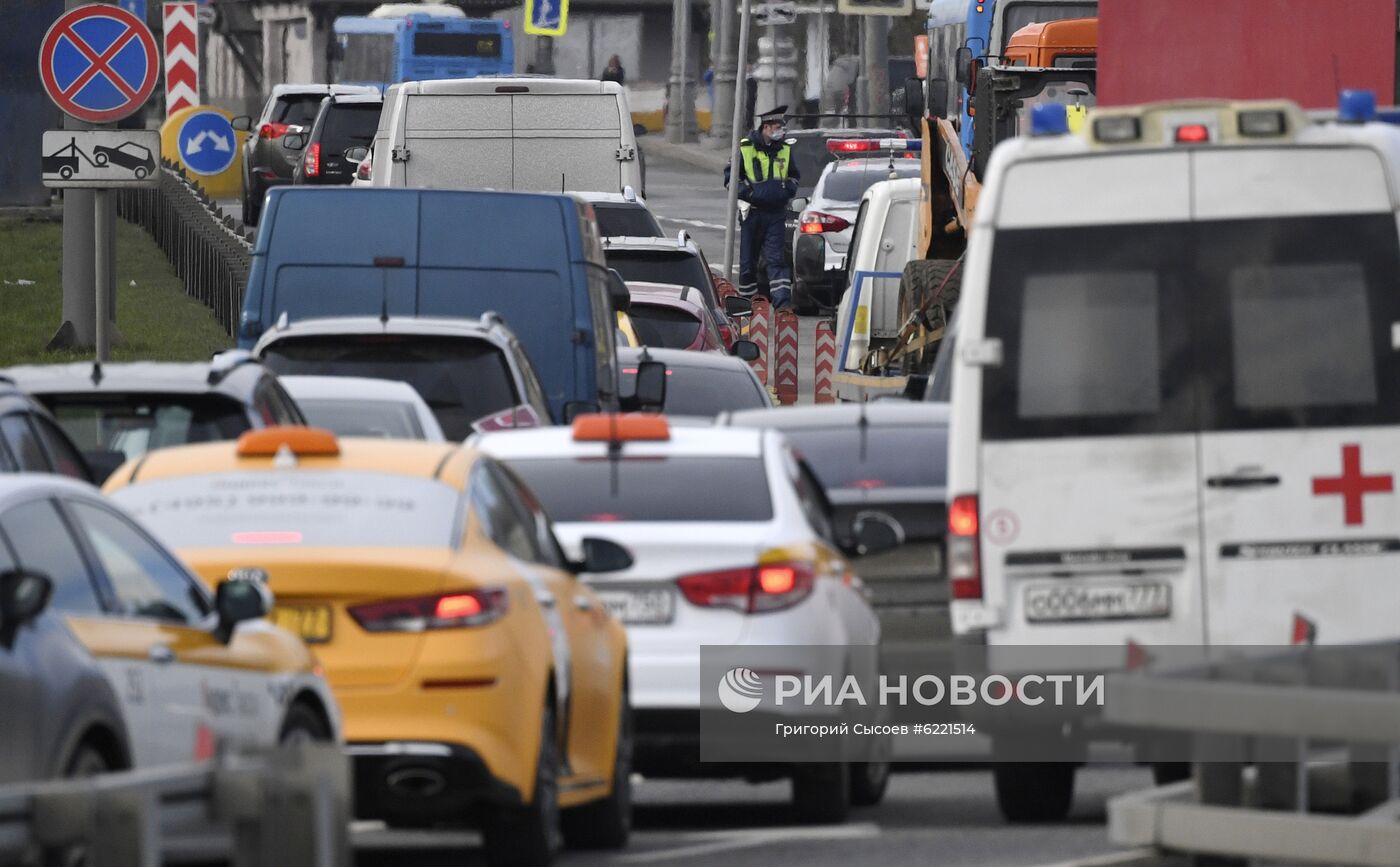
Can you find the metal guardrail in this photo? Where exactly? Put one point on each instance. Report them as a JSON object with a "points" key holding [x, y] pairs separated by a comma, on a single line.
{"points": [[290, 806], [1276, 739], [209, 249]]}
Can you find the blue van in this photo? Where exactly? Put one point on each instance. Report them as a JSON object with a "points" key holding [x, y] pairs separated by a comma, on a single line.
{"points": [[535, 259]]}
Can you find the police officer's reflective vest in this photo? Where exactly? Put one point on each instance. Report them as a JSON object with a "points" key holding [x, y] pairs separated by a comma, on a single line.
{"points": [[756, 162]]}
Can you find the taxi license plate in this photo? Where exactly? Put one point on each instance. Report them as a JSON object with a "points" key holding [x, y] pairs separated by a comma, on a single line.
{"points": [[1063, 603], [311, 622], [640, 606]]}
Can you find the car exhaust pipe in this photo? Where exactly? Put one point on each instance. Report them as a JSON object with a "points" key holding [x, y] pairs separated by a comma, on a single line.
{"points": [[416, 782]]}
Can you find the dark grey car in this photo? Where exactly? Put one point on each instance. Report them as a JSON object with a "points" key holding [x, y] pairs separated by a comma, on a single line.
{"points": [[891, 456], [58, 713], [266, 162], [115, 412]]}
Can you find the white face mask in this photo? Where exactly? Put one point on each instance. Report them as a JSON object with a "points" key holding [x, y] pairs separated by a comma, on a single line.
{"points": [[777, 133]]}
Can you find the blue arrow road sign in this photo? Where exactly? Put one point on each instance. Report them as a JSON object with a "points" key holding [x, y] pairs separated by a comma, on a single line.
{"points": [[207, 143], [546, 17]]}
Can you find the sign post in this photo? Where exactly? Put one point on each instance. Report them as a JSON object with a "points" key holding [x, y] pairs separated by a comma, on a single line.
{"points": [[732, 211], [99, 63]]}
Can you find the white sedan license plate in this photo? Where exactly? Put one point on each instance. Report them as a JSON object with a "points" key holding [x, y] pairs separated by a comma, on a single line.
{"points": [[640, 606], [1061, 603]]}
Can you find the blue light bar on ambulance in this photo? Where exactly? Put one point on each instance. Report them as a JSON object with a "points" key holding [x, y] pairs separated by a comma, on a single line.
{"points": [[843, 146], [1356, 106], [1049, 118]]}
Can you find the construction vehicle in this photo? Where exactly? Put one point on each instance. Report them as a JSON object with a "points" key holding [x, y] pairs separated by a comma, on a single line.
{"points": [[988, 65]]}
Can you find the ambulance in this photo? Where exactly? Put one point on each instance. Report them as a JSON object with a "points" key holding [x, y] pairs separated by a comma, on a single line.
{"points": [[1175, 383]]}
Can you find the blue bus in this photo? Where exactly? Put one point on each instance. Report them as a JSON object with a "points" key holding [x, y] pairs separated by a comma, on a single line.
{"points": [[417, 47], [982, 27]]}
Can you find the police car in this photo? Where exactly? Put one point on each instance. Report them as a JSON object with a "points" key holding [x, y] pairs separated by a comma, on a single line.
{"points": [[1174, 380]]}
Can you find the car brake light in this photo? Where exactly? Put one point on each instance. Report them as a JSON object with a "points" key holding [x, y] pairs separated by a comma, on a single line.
{"points": [[362, 171], [1192, 133], [272, 130], [751, 590], [313, 160], [420, 614], [964, 542], [816, 222], [726, 334]]}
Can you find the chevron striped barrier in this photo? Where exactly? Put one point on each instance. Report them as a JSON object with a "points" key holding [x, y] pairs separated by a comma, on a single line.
{"points": [[181, 57], [758, 333], [825, 364], [786, 354]]}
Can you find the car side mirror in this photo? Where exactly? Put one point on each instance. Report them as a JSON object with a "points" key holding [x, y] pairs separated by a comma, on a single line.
{"points": [[294, 141], [650, 393], [638, 129], [962, 64], [242, 123], [23, 597], [618, 292], [240, 598], [744, 350], [872, 533], [356, 154], [738, 305], [913, 98], [575, 408], [602, 555], [798, 204]]}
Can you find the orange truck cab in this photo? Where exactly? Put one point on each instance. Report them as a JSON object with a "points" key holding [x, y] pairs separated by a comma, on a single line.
{"points": [[1068, 43]]}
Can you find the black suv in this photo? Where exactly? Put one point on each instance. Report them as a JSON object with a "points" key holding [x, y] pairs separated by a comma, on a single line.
{"points": [[31, 441], [345, 122]]}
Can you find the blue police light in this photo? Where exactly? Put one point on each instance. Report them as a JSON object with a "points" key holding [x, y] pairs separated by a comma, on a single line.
{"points": [[1049, 118], [1356, 106]]}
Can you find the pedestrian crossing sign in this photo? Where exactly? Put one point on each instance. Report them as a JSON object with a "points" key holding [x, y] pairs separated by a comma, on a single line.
{"points": [[546, 17]]}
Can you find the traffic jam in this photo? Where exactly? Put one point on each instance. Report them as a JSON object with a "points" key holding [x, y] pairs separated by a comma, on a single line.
{"points": [[494, 489]]}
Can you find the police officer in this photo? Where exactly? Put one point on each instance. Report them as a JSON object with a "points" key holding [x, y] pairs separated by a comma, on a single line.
{"points": [[767, 181]]}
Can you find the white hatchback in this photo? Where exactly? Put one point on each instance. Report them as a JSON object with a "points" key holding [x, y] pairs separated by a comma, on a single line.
{"points": [[733, 543]]}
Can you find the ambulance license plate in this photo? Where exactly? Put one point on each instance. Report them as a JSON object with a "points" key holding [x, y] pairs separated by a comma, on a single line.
{"points": [[311, 622], [1064, 603], [652, 606]]}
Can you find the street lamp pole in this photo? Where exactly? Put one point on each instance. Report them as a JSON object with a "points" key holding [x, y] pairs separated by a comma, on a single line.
{"points": [[732, 212]]}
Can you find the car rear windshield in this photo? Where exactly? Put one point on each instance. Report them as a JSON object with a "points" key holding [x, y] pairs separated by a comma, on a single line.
{"points": [[632, 221], [462, 379], [347, 417], [297, 109], [663, 327], [885, 457], [133, 424], [348, 125], [661, 266], [310, 508], [649, 489], [704, 391], [848, 185], [1222, 325]]}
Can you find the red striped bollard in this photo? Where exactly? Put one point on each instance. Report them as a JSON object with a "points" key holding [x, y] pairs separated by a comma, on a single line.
{"points": [[758, 333], [786, 341], [825, 366]]}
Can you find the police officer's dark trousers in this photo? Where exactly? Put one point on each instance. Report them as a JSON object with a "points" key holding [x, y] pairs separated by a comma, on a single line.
{"points": [[761, 234]]}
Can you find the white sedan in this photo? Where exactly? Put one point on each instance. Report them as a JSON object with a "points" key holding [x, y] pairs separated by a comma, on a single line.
{"points": [[361, 406], [733, 544]]}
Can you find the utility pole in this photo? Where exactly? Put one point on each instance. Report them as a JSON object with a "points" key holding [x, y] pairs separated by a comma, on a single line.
{"points": [[732, 211], [78, 330], [721, 113], [877, 64], [679, 125]]}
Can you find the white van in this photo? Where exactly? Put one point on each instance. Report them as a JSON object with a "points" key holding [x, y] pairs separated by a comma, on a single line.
{"points": [[532, 134], [885, 238], [1175, 380]]}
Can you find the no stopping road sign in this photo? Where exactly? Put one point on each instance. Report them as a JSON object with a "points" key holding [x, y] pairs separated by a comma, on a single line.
{"points": [[99, 63]]}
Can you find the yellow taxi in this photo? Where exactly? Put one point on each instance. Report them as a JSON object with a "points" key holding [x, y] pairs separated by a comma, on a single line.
{"points": [[479, 680]]}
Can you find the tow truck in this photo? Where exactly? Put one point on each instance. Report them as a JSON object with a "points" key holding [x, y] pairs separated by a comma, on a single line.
{"points": [[1046, 61]]}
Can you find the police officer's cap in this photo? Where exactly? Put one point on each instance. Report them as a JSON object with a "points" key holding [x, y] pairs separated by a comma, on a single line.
{"points": [[775, 116]]}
